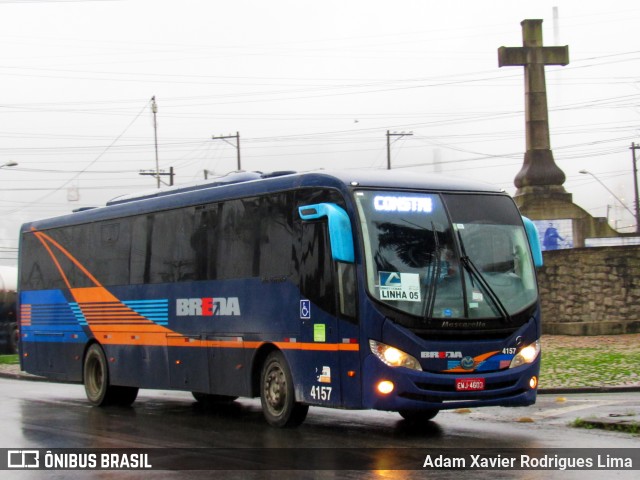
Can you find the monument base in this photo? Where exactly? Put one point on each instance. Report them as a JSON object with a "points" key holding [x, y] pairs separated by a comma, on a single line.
{"points": [[555, 193], [552, 202]]}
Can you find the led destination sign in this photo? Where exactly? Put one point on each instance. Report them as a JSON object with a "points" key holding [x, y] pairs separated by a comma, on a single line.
{"points": [[390, 203]]}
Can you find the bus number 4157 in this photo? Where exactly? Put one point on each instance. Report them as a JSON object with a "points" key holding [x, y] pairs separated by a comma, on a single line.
{"points": [[321, 393]]}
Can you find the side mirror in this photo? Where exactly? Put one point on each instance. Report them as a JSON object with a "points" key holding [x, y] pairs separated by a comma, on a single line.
{"points": [[534, 241], [340, 234]]}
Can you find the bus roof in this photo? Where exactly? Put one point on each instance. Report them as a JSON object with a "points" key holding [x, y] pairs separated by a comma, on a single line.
{"points": [[241, 184]]}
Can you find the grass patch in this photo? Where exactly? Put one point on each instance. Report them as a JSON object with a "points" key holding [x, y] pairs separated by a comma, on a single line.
{"points": [[580, 423], [9, 359], [588, 367], [624, 426]]}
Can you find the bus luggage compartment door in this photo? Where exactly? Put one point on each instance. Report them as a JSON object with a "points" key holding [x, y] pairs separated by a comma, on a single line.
{"points": [[229, 372], [188, 365]]}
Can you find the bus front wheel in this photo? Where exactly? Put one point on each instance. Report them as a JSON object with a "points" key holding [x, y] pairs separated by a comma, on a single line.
{"points": [[418, 416], [277, 395], [96, 381]]}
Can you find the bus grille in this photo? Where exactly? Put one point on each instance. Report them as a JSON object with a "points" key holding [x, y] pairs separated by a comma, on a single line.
{"points": [[437, 387]]}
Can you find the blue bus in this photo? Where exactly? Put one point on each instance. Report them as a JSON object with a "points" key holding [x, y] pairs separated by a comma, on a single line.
{"points": [[353, 289], [9, 336]]}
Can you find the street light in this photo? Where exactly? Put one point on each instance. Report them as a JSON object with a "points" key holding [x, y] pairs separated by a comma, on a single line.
{"points": [[9, 164], [586, 172]]}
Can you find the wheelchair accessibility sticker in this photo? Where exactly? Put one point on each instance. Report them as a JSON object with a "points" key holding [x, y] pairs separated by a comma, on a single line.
{"points": [[305, 309]]}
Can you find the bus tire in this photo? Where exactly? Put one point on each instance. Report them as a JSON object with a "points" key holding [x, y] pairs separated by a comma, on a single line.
{"points": [[419, 416], [211, 399], [96, 381], [277, 395], [122, 396]]}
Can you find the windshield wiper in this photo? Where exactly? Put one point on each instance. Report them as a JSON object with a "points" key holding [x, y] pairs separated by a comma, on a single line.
{"points": [[430, 301], [477, 275]]}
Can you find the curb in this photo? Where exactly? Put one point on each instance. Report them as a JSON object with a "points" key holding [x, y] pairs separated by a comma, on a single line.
{"points": [[23, 376], [605, 389]]}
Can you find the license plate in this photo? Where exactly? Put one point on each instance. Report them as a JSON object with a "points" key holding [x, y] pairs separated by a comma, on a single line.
{"points": [[469, 384]]}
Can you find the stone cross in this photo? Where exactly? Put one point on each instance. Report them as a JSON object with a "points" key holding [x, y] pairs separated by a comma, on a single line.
{"points": [[539, 172]]}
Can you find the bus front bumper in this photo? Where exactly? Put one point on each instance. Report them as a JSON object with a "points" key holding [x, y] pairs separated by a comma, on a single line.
{"points": [[395, 389]]}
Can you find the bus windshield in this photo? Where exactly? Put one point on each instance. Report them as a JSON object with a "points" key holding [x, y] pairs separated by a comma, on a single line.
{"points": [[446, 256]]}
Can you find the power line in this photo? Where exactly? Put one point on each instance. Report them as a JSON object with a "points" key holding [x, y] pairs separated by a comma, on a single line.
{"points": [[237, 145], [52, 191]]}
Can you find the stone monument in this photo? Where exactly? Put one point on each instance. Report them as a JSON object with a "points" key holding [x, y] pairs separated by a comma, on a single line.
{"points": [[540, 194]]}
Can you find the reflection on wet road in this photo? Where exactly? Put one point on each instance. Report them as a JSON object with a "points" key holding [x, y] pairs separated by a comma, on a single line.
{"points": [[46, 415]]}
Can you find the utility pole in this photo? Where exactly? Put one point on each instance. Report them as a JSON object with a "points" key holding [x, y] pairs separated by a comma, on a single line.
{"points": [[389, 135], [158, 174], [154, 109], [237, 145], [635, 147]]}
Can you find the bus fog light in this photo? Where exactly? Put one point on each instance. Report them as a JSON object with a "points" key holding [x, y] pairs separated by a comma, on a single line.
{"points": [[527, 355], [385, 387], [533, 382]]}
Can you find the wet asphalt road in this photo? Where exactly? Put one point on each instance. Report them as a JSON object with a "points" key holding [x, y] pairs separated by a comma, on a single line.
{"points": [[48, 415]]}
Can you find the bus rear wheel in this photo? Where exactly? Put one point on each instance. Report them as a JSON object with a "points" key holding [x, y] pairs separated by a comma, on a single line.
{"points": [[96, 381], [211, 399], [277, 395]]}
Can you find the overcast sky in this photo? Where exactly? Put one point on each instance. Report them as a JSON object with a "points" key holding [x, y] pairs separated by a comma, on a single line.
{"points": [[307, 85]]}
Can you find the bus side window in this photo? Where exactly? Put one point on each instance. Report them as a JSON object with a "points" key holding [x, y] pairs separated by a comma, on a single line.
{"points": [[347, 295], [316, 266], [140, 256], [113, 255], [317, 269], [37, 270], [276, 236], [237, 239], [204, 242]]}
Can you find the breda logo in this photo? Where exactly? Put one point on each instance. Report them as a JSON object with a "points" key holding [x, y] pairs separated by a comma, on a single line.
{"points": [[207, 307], [441, 354]]}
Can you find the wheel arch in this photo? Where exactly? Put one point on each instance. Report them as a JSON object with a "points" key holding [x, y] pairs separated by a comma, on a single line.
{"points": [[92, 341], [87, 346], [259, 358]]}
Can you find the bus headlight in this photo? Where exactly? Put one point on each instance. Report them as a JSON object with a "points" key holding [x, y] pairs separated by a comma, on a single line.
{"points": [[393, 357], [527, 355]]}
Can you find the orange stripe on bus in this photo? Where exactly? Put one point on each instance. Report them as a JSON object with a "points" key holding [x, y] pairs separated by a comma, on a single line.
{"points": [[159, 339], [128, 329], [64, 251], [93, 295], [42, 237], [332, 347]]}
